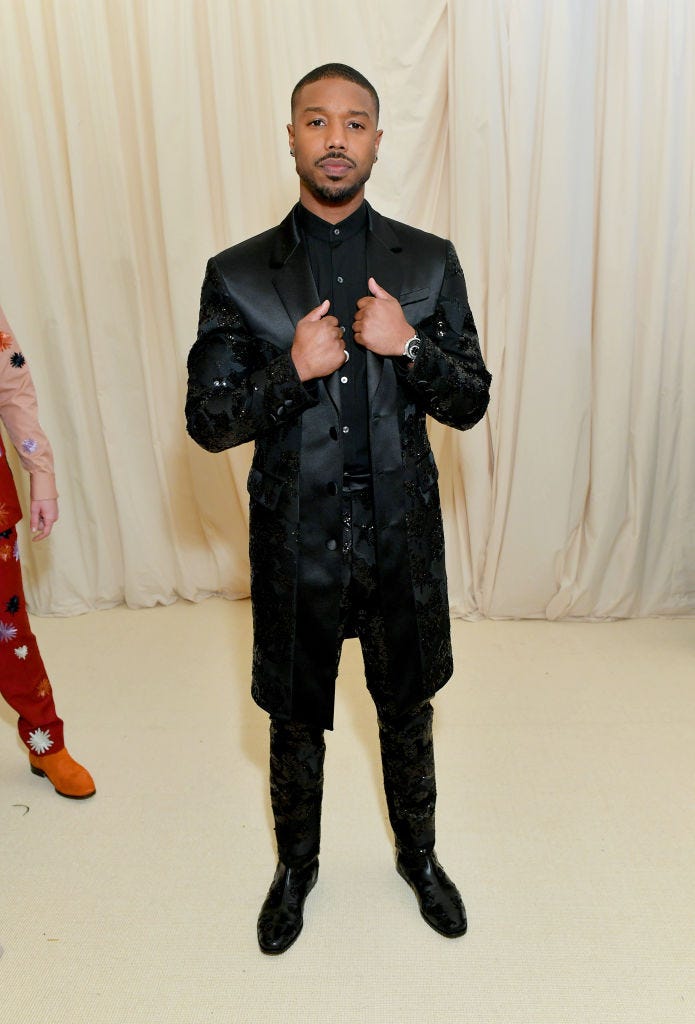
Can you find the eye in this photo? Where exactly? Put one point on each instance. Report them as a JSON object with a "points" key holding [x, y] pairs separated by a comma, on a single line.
{"points": [[317, 122], [355, 124]]}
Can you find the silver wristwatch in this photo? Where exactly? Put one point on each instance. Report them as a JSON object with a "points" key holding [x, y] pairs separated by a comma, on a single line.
{"points": [[412, 347]]}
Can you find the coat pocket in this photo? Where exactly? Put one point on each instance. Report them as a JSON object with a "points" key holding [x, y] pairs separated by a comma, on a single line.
{"points": [[414, 295], [264, 488]]}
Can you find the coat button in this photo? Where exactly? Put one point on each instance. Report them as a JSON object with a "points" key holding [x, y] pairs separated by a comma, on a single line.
{"points": [[332, 487], [331, 544]]}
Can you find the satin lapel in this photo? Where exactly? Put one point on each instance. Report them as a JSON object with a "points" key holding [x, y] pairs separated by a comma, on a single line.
{"points": [[296, 287], [384, 255], [294, 283]]}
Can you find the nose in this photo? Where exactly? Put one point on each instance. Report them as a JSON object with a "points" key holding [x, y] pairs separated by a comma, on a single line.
{"points": [[336, 137]]}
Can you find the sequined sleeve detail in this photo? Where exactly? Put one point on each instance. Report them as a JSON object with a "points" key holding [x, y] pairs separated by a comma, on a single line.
{"points": [[449, 378], [239, 386]]}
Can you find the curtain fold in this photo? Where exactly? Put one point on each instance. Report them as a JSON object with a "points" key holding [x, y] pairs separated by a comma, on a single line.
{"points": [[552, 142], [575, 133]]}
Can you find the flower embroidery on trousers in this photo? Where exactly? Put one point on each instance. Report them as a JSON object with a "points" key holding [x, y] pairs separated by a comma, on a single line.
{"points": [[40, 741], [7, 631]]}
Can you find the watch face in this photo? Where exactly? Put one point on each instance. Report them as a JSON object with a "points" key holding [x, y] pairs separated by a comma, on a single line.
{"points": [[412, 348]]}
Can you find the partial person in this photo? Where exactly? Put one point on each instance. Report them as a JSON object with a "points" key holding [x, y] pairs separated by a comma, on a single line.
{"points": [[24, 682], [327, 341]]}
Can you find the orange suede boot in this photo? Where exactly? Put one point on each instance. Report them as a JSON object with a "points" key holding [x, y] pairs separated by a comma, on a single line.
{"points": [[68, 777]]}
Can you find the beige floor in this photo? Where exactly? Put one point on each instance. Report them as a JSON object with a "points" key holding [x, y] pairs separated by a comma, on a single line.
{"points": [[566, 757]]}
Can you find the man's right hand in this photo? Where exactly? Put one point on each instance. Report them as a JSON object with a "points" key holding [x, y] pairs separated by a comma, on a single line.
{"points": [[318, 348]]}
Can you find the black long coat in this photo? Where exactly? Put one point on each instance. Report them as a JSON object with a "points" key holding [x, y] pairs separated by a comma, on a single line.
{"points": [[243, 387]]}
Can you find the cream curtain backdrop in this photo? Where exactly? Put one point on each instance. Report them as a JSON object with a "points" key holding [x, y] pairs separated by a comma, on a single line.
{"points": [[550, 139]]}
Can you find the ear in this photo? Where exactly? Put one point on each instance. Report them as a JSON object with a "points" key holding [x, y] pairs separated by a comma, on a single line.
{"points": [[377, 141], [290, 133]]}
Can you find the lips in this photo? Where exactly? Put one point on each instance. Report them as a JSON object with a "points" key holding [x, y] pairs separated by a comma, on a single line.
{"points": [[335, 167]]}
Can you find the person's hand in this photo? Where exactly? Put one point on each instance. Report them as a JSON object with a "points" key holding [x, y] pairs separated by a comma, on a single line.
{"points": [[380, 324], [318, 348], [43, 514]]}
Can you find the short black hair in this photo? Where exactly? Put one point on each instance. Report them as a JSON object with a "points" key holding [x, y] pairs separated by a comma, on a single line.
{"points": [[336, 71]]}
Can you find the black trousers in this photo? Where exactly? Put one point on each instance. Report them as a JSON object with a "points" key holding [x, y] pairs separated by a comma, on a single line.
{"points": [[407, 753]]}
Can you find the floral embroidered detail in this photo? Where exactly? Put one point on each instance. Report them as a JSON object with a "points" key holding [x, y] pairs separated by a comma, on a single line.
{"points": [[453, 267], [5, 341], [7, 631], [44, 688], [296, 785], [12, 605], [17, 360], [5, 552], [40, 741], [29, 445], [21, 652]]}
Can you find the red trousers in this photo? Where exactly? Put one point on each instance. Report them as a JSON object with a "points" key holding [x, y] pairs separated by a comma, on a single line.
{"points": [[23, 680]]}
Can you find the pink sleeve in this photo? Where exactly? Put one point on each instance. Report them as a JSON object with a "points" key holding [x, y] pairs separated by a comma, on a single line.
{"points": [[19, 412]]}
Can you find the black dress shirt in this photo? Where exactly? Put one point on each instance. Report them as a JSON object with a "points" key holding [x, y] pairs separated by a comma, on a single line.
{"points": [[338, 258]]}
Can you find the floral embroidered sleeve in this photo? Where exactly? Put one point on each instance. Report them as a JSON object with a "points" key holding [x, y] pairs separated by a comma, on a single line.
{"points": [[449, 378], [20, 415], [239, 387]]}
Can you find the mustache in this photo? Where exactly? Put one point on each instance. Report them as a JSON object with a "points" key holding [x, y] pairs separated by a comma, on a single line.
{"points": [[335, 156]]}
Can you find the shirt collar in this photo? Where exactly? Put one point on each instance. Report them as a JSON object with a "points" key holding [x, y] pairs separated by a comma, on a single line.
{"points": [[333, 233]]}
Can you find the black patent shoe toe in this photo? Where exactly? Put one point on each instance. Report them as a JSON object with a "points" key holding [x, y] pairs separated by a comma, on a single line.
{"points": [[438, 898], [282, 915]]}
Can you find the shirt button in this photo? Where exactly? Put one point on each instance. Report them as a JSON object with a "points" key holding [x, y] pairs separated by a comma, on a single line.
{"points": [[331, 544], [346, 430], [336, 231], [343, 380], [340, 280]]}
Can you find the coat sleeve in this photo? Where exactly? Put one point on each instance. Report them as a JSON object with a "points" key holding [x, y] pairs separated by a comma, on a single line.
{"points": [[448, 377], [239, 387]]}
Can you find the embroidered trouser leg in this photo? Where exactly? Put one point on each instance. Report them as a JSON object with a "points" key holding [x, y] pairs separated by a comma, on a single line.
{"points": [[296, 789], [407, 759], [23, 680]]}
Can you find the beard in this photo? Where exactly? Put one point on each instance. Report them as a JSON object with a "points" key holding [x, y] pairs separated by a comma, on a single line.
{"points": [[337, 193]]}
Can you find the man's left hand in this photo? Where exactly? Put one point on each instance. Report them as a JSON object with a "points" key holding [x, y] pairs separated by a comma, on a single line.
{"points": [[379, 323]]}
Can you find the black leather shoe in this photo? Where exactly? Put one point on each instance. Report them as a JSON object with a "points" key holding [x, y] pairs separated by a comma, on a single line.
{"points": [[439, 899], [280, 920]]}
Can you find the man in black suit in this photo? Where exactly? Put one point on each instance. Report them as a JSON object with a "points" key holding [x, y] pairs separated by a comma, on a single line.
{"points": [[326, 341]]}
